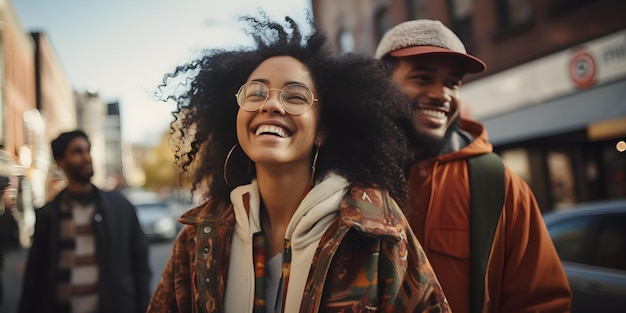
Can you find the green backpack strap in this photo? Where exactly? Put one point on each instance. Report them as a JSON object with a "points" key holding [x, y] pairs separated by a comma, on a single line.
{"points": [[486, 176]]}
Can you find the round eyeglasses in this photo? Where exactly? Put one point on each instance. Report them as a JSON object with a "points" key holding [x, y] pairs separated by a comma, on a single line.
{"points": [[295, 98]]}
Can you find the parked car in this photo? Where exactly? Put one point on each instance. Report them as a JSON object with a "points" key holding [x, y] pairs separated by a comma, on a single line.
{"points": [[591, 241], [157, 219]]}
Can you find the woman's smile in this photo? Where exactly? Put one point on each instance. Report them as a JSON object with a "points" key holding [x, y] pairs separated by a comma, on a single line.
{"points": [[272, 130]]}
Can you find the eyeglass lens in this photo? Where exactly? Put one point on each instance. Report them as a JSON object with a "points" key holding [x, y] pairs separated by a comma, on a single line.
{"points": [[295, 98]]}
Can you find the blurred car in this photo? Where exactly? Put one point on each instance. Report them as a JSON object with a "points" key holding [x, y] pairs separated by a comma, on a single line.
{"points": [[590, 239], [156, 217]]}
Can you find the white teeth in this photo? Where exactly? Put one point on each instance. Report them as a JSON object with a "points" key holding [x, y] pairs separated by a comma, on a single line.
{"points": [[271, 129], [435, 114]]}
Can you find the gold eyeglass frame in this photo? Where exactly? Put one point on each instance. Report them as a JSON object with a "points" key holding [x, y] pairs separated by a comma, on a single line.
{"points": [[280, 98]]}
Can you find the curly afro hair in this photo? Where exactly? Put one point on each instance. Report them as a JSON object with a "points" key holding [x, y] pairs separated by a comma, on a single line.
{"points": [[361, 111]]}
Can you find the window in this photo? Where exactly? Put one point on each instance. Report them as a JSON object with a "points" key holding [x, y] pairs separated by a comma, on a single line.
{"points": [[558, 7], [562, 178], [610, 245], [592, 240], [518, 160], [613, 170], [346, 41], [569, 238], [113, 108], [513, 13], [461, 13], [383, 23], [416, 9]]}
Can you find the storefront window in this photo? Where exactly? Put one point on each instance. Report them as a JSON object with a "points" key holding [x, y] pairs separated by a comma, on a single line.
{"points": [[517, 160], [614, 160], [562, 179]]}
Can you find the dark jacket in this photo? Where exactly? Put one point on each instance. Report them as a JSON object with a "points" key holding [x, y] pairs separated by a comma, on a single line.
{"points": [[368, 260], [121, 256]]}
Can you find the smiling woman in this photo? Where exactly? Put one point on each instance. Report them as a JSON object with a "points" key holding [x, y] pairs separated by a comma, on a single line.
{"points": [[281, 132], [302, 166]]}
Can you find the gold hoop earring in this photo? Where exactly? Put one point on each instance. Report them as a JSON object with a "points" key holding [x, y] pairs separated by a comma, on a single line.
{"points": [[230, 152], [317, 151]]}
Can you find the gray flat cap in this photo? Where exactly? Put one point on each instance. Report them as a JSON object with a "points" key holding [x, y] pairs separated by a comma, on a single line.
{"points": [[426, 37]]}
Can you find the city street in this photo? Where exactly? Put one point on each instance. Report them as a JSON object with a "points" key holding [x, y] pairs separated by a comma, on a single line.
{"points": [[518, 104], [15, 262]]}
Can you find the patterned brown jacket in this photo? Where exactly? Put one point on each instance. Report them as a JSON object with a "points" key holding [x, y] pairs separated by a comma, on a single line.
{"points": [[368, 260]]}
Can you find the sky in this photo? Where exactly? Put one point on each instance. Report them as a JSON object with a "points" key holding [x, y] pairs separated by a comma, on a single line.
{"points": [[122, 48]]}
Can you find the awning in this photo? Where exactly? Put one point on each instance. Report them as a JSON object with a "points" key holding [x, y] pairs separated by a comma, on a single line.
{"points": [[571, 113]]}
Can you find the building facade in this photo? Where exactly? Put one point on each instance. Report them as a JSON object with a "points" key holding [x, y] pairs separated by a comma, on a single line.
{"points": [[18, 122], [91, 116], [115, 176], [553, 96], [56, 105]]}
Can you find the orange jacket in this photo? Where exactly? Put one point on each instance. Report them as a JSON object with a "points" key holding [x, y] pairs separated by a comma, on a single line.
{"points": [[524, 273]]}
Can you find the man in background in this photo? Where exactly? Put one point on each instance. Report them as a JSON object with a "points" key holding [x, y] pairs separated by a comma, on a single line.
{"points": [[523, 273], [88, 253]]}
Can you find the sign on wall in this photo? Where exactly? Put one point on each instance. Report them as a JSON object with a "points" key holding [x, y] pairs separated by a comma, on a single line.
{"points": [[593, 63]]}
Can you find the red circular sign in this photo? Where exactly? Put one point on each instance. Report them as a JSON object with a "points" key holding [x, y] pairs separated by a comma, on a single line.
{"points": [[582, 70]]}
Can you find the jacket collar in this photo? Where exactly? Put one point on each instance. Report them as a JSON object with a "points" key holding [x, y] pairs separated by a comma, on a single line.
{"points": [[102, 202], [480, 144], [369, 211], [212, 211]]}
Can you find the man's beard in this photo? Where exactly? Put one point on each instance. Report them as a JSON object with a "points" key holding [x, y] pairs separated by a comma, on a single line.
{"points": [[432, 147], [79, 176]]}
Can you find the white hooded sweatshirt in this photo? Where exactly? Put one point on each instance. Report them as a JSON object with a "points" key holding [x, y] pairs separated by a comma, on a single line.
{"points": [[311, 219]]}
